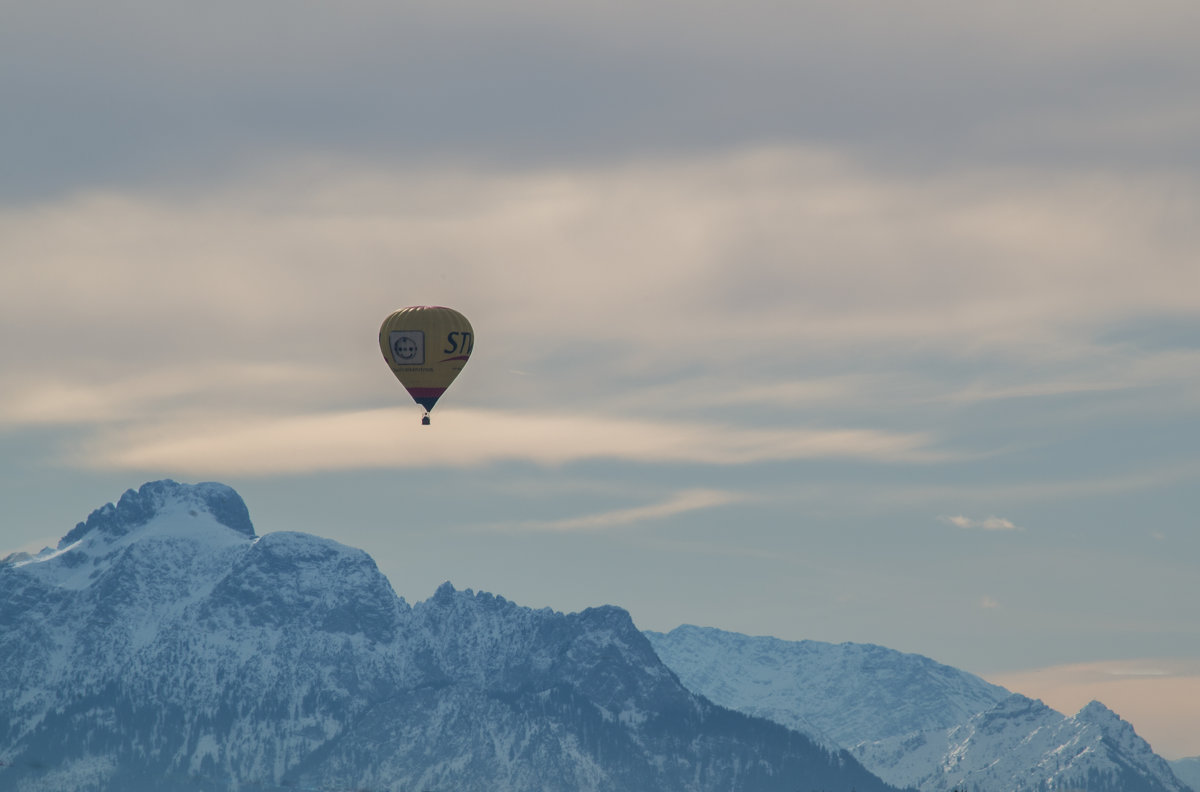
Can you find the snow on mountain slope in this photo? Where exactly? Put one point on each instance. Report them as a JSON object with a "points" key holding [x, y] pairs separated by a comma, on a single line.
{"points": [[163, 645], [1021, 744], [912, 721], [162, 516], [849, 692], [69, 614], [545, 700]]}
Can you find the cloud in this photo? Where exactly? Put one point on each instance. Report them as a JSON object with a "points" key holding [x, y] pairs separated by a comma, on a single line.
{"points": [[265, 445], [58, 399], [989, 603], [595, 79], [776, 282], [758, 261], [985, 524], [822, 302], [1040, 491], [678, 503], [980, 392]]}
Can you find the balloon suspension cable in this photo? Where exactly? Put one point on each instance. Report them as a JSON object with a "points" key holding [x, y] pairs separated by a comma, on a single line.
{"points": [[425, 419]]}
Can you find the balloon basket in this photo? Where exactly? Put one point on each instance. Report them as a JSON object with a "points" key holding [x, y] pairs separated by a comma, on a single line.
{"points": [[425, 420]]}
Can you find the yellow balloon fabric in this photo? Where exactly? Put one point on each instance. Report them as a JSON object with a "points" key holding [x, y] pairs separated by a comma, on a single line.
{"points": [[426, 346]]}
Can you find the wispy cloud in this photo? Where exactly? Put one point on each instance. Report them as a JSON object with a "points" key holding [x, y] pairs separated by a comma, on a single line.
{"points": [[219, 444], [678, 503], [1161, 475], [1097, 368], [981, 392], [984, 524], [60, 399]]}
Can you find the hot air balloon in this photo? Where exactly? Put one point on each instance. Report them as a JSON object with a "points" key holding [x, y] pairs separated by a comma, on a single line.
{"points": [[426, 346]]}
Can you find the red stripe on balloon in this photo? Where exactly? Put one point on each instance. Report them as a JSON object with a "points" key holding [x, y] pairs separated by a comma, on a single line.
{"points": [[425, 393]]}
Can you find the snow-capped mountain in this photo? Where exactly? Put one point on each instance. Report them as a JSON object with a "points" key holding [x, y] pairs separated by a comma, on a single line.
{"points": [[915, 722], [1021, 744], [164, 645], [846, 692]]}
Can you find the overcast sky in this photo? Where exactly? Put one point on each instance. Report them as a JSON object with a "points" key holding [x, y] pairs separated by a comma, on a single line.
{"points": [[847, 322]]}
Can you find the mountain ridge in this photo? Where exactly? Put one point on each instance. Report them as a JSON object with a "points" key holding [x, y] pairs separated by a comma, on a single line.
{"points": [[915, 722], [164, 643]]}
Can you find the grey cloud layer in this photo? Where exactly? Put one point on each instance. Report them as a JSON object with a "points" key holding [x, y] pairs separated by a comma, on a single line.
{"points": [[777, 279], [776, 261], [140, 92]]}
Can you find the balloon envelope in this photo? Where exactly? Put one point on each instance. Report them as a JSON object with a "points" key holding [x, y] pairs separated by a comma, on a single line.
{"points": [[426, 346]]}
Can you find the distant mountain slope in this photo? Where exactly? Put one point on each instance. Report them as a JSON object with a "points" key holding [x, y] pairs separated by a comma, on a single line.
{"points": [[915, 722], [1188, 771], [1022, 744], [847, 692], [165, 646]]}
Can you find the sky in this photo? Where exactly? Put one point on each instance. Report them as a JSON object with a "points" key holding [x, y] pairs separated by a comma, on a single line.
{"points": [[845, 322]]}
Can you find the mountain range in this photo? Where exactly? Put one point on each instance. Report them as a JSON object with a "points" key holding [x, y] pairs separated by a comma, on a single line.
{"points": [[165, 645], [915, 722]]}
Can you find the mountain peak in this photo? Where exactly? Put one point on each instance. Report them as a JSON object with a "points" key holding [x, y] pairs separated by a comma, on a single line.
{"points": [[1097, 711], [1109, 724], [445, 592], [136, 508]]}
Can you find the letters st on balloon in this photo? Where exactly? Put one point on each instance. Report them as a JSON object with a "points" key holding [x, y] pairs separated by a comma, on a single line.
{"points": [[426, 347], [460, 342]]}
